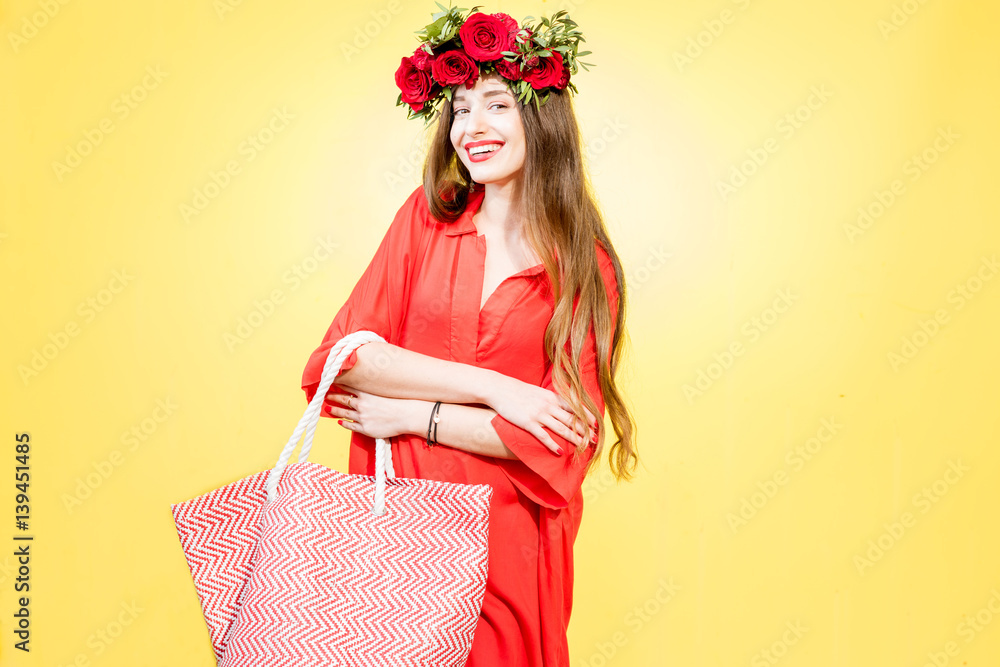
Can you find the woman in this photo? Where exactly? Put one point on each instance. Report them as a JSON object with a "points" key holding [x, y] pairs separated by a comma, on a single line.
{"points": [[466, 289]]}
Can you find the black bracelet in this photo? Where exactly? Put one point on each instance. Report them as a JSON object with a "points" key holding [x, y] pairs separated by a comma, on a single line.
{"points": [[437, 418], [433, 424]]}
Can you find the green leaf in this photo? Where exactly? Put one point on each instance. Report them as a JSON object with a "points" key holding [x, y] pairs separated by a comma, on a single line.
{"points": [[583, 53], [447, 93], [443, 8], [434, 29], [545, 53]]}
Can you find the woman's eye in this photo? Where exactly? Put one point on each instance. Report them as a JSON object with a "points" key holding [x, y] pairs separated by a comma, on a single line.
{"points": [[499, 104]]}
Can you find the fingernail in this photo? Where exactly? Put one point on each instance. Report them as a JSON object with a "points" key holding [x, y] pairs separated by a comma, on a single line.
{"points": [[559, 450], [340, 421]]}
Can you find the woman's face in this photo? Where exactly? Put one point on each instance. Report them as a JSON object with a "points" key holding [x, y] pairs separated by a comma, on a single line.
{"points": [[487, 114]]}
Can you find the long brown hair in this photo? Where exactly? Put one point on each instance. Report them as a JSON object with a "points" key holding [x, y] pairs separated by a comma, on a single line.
{"points": [[561, 222]]}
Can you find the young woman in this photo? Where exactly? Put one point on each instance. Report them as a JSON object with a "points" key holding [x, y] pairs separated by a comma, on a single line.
{"points": [[501, 298]]}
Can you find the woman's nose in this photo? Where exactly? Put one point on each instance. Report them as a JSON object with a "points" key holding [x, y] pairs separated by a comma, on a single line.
{"points": [[476, 121]]}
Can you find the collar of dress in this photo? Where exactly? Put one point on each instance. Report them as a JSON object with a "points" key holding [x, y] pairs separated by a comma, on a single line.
{"points": [[463, 225]]}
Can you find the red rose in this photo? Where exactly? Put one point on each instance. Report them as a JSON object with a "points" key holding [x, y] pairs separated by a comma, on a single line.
{"points": [[421, 59], [544, 71], [509, 22], [564, 78], [454, 67], [415, 84], [484, 37], [509, 70]]}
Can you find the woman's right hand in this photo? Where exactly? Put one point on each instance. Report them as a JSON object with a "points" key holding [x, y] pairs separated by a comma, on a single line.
{"points": [[535, 408]]}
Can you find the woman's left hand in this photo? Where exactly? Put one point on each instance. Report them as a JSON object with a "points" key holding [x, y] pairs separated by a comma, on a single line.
{"points": [[369, 414]]}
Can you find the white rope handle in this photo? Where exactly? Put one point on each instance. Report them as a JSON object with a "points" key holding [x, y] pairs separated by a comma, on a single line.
{"points": [[310, 418]]}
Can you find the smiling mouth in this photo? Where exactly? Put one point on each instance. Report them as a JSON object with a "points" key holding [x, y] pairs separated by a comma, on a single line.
{"points": [[480, 155]]}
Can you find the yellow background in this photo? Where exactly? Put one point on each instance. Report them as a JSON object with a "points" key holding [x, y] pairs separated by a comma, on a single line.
{"points": [[682, 95]]}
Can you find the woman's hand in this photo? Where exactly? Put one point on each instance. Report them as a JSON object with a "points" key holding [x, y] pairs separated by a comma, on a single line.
{"points": [[535, 408], [369, 414]]}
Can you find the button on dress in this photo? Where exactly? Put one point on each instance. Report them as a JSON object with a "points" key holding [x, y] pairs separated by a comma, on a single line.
{"points": [[422, 291]]}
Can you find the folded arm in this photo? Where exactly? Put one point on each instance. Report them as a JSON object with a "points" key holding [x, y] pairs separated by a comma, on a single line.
{"points": [[417, 380], [460, 426], [395, 372]]}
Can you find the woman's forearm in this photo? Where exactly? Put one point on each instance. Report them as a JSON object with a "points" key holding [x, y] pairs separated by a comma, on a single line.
{"points": [[392, 371], [461, 427]]}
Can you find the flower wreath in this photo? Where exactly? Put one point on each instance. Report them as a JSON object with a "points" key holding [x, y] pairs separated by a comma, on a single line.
{"points": [[456, 49]]}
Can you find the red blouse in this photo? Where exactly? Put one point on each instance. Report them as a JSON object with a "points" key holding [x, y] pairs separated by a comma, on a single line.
{"points": [[422, 291]]}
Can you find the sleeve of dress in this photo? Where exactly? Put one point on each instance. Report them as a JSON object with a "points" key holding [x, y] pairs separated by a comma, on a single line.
{"points": [[377, 302], [549, 479]]}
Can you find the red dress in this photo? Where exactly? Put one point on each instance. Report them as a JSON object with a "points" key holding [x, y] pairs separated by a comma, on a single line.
{"points": [[422, 292]]}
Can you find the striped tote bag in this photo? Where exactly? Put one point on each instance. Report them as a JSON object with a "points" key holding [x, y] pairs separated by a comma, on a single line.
{"points": [[301, 565]]}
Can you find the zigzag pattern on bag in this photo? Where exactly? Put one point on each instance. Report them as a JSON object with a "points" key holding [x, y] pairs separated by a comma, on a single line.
{"points": [[330, 583], [219, 532], [303, 566]]}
